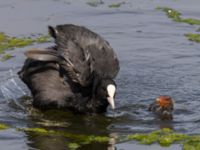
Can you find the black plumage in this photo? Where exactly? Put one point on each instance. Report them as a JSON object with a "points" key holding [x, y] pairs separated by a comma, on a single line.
{"points": [[74, 74]]}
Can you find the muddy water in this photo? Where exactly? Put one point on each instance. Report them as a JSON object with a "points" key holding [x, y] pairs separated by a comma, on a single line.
{"points": [[155, 58]]}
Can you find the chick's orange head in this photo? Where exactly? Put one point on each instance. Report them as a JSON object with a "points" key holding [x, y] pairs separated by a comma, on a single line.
{"points": [[164, 101]]}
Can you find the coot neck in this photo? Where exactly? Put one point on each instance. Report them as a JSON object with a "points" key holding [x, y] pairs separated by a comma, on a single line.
{"points": [[98, 105]]}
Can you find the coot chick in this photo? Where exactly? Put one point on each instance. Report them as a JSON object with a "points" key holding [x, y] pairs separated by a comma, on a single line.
{"points": [[163, 107], [76, 74]]}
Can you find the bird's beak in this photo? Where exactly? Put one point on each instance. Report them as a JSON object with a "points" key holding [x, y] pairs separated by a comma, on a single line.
{"points": [[111, 101], [111, 93]]}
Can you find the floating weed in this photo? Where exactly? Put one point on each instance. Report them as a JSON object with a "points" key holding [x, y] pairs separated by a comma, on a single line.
{"points": [[9, 43], [42, 39], [171, 13], [3, 127], [6, 57], [191, 21], [95, 3], [80, 139], [193, 37], [73, 146], [176, 16], [191, 145], [38, 130], [116, 5], [3, 37], [166, 137], [144, 139], [167, 140]]}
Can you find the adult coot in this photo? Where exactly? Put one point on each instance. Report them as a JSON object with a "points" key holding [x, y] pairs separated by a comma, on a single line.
{"points": [[76, 74]]}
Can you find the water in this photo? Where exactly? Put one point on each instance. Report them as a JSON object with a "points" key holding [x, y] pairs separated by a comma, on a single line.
{"points": [[155, 59]]}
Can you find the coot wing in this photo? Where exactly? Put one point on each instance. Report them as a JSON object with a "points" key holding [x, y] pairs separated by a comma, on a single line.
{"points": [[77, 62], [103, 60]]}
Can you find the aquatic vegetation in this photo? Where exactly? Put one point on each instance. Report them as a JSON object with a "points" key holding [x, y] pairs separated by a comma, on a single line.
{"points": [[77, 138], [73, 146], [193, 37], [95, 3], [9, 43], [6, 57], [116, 5], [193, 144], [38, 130], [3, 126], [171, 13], [176, 16], [166, 137], [151, 138]]}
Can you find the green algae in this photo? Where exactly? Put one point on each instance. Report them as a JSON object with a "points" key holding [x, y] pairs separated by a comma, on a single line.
{"points": [[73, 146], [167, 137], [10, 43], [6, 57], [78, 138], [176, 16], [95, 3], [3, 126], [38, 130], [164, 137], [193, 37], [116, 5], [7, 42], [191, 145], [171, 13]]}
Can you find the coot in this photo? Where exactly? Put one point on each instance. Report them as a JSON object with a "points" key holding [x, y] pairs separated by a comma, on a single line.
{"points": [[76, 74]]}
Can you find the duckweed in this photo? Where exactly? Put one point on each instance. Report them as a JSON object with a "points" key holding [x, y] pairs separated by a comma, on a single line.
{"points": [[176, 16], [193, 37]]}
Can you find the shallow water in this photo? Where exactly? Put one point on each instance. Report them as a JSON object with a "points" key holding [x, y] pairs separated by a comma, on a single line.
{"points": [[155, 59]]}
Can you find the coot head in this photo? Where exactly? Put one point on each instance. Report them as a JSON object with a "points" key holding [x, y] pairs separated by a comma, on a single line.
{"points": [[105, 91]]}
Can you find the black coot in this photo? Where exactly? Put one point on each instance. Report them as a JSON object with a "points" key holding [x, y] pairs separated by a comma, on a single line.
{"points": [[77, 73]]}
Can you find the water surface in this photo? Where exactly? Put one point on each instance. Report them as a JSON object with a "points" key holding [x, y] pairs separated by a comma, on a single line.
{"points": [[155, 59]]}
